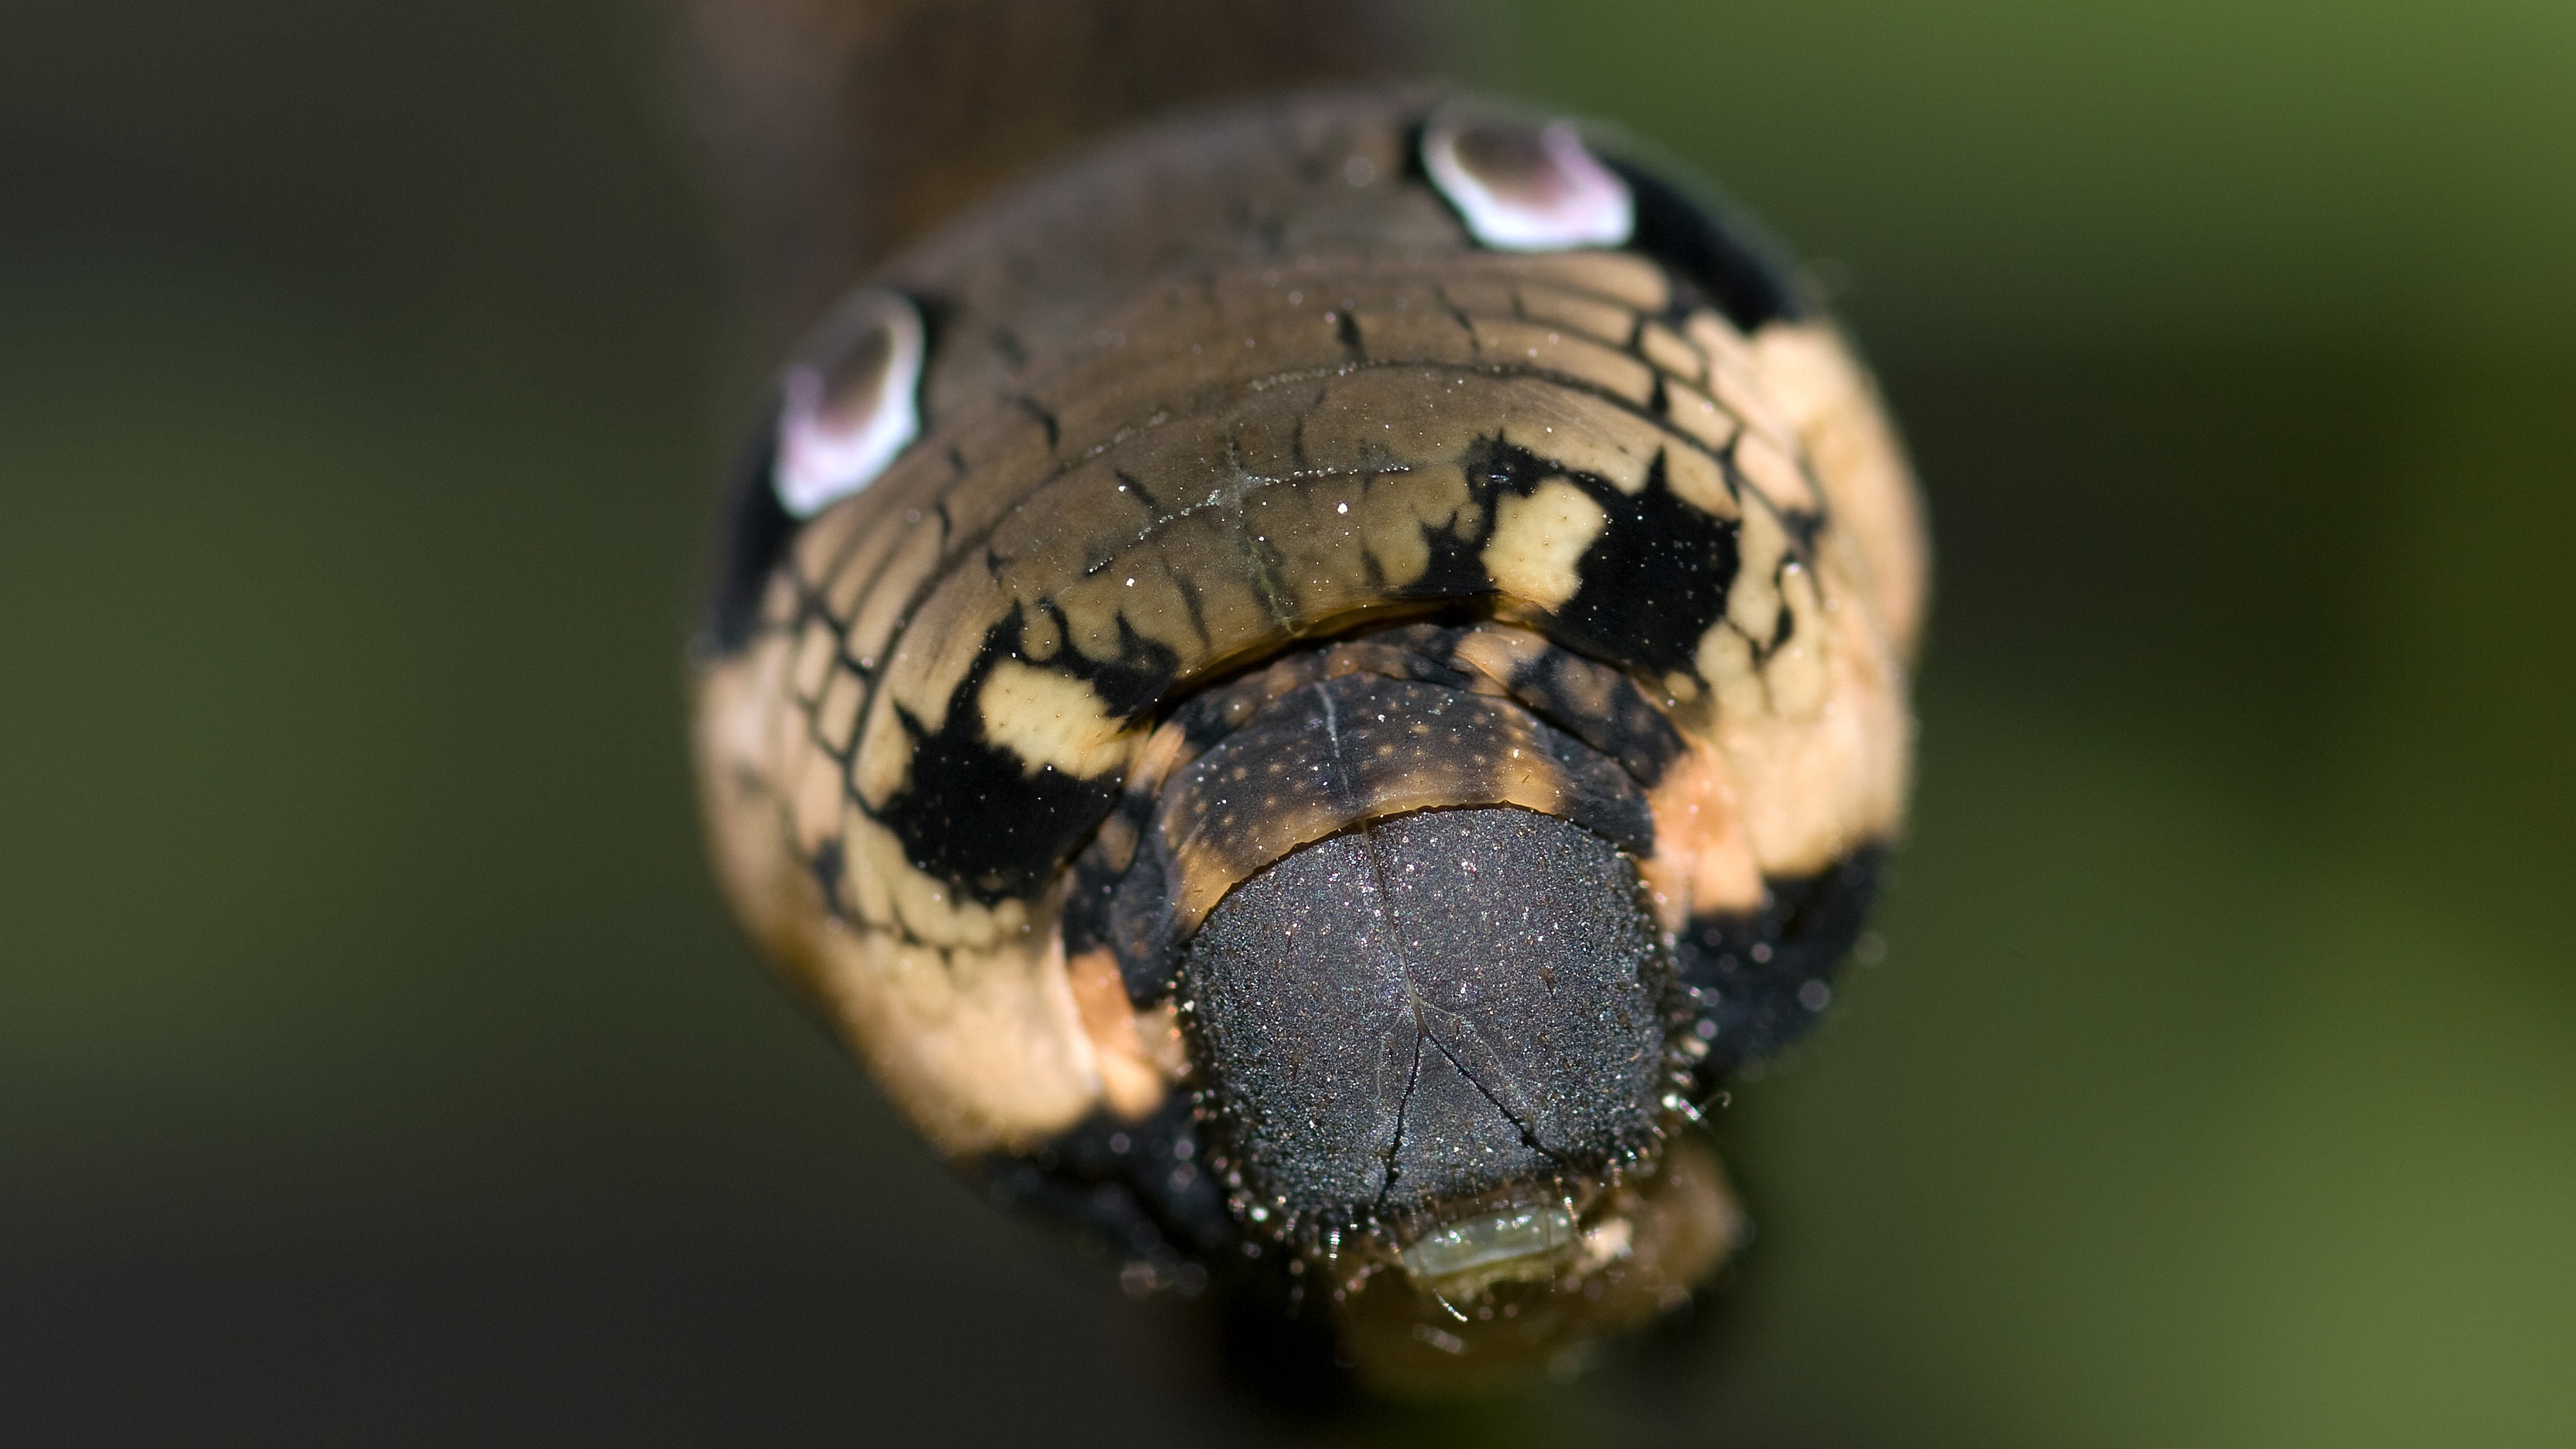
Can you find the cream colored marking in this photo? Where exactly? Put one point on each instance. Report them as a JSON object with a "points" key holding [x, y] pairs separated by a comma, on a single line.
{"points": [[1048, 718], [838, 713], [1696, 479], [1725, 660], [816, 648], [1509, 342], [1498, 654], [1539, 540], [1601, 321], [819, 796], [1753, 601], [1796, 673], [1814, 788], [1725, 348], [1134, 1077], [1702, 861], [1775, 474], [847, 573], [891, 892], [1747, 394], [982, 1049], [884, 758], [1666, 350], [1586, 435], [1700, 418], [1857, 458], [738, 707]]}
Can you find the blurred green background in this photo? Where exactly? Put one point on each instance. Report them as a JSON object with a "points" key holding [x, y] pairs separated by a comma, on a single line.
{"points": [[376, 1065]]}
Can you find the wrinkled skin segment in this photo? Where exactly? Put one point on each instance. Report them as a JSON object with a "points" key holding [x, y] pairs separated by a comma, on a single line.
{"points": [[1231, 428]]}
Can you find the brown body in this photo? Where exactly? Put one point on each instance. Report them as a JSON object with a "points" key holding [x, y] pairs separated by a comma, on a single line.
{"points": [[1238, 408]]}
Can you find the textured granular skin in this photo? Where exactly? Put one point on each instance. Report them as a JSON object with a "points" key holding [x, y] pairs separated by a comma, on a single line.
{"points": [[1431, 1008]]}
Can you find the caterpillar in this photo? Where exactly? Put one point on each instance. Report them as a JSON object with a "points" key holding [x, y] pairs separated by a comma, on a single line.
{"points": [[1302, 684]]}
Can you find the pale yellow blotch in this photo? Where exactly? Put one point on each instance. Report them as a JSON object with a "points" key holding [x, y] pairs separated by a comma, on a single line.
{"points": [[1584, 434], [885, 755], [1696, 479], [836, 717], [1509, 342], [1775, 474], [1725, 660], [853, 572], [815, 651], [983, 1049], [1813, 788], [1132, 1050], [818, 797], [1797, 674], [888, 890], [1831, 402], [1702, 861], [1666, 350], [1047, 718], [1753, 601], [1539, 540], [1718, 341], [1701, 418]]}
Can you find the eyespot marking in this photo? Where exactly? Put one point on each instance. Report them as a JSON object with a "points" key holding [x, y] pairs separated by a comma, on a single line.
{"points": [[850, 403], [1526, 188]]}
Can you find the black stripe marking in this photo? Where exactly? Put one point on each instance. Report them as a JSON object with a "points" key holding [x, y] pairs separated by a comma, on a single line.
{"points": [[1744, 972]]}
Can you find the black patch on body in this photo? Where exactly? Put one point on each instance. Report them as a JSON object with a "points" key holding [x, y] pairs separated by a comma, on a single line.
{"points": [[1634, 733], [1457, 567], [1653, 582], [972, 815], [1130, 683], [1142, 1191], [970, 812], [1732, 272], [1438, 1007], [753, 536], [1744, 972]]}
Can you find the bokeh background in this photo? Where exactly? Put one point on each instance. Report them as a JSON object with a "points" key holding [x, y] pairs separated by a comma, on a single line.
{"points": [[376, 1066]]}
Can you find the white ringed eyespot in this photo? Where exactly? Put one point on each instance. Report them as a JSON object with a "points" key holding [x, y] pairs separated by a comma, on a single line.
{"points": [[850, 403], [1522, 187]]}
